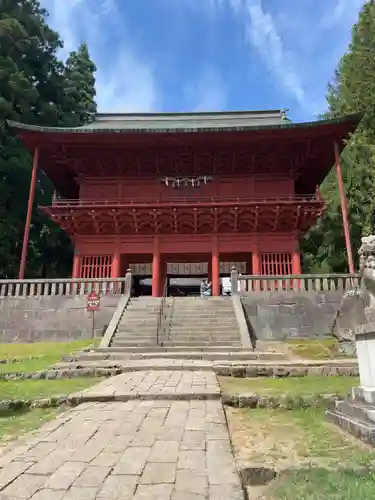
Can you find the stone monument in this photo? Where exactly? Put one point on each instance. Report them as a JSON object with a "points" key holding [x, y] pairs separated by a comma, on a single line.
{"points": [[357, 413]]}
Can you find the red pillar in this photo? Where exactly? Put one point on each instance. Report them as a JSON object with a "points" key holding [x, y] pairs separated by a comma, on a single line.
{"points": [[116, 260], [26, 234], [255, 263], [344, 209], [296, 262], [156, 270], [76, 265], [215, 270]]}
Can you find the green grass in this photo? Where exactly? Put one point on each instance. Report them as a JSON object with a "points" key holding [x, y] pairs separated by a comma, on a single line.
{"points": [[16, 424], [297, 386], [307, 449], [290, 438], [315, 349], [48, 354], [39, 389], [319, 484]]}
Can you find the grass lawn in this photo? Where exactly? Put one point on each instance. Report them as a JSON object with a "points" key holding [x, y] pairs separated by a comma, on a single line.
{"points": [[315, 349], [319, 484], [48, 353], [39, 389], [298, 386], [13, 424], [302, 440]]}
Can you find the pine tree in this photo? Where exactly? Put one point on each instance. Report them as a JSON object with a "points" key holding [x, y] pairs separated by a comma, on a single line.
{"points": [[79, 88], [352, 91]]}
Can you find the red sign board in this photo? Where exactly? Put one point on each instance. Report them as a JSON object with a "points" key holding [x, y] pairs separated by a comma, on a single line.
{"points": [[93, 301]]}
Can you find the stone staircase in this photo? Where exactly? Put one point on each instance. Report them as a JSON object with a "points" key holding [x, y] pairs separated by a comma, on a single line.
{"points": [[138, 324], [200, 322], [196, 332]]}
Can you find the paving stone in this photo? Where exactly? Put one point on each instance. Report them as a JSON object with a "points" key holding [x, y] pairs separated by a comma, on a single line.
{"points": [[81, 494], [180, 495], [106, 459], [192, 482], [11, 471], [193, 440], [132, 461], [92, 477], [23, 487], [118, 488], [164, 451], [192, 460], [48, 495], [154, 492], [50, 464], [156, 473], [63, 478], [225, 493]]}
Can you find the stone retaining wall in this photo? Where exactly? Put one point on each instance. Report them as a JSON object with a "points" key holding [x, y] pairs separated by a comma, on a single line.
{"points": [[282, 401], [52, 318], [280, 315], [246, 400], [239, 371]]}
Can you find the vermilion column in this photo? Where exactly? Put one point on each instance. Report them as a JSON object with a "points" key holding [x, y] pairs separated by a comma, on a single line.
{"points": [[26, 234], [255, 263], [344, 209], [116, 261], [76, 262], [156, 270], [296, 263], [215, 270]]}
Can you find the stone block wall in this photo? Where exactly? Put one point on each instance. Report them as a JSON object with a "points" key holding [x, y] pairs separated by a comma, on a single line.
{"points": [[52, 318], [280, 315]]}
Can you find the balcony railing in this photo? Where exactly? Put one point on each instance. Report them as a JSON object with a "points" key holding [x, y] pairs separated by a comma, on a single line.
{"points": [[245, 284], [183, 200], [65, 287]]}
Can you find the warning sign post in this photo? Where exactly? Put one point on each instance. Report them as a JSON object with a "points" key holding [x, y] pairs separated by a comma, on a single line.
{"points": [[93, 304]]}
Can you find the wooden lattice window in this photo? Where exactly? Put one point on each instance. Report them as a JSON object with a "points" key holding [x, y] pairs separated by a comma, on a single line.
{"points": [[96, 266], [276, 264]]}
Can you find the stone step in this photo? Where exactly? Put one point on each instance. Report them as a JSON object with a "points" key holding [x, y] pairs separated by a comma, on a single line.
{"points": [[176, 343], [362, 430], [186, 355], [124, 341], [207, 322], [203, 329], [204, 348], [357, 410]]}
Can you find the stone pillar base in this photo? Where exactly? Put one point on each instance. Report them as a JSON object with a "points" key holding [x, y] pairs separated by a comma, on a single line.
{"points": [[364, 394]]}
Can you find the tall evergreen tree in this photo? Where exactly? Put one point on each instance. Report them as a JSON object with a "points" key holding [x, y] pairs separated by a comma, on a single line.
{"points": [[79, 88], [352, 90], [32, 90]]}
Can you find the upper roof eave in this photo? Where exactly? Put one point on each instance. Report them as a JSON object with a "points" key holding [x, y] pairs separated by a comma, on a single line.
{"points": [[354, 118]]}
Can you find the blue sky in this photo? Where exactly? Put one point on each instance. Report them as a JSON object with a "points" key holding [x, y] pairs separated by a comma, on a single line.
{"points": [[209, 55]]}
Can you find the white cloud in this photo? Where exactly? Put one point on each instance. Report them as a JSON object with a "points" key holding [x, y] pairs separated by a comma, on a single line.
{"points": [[342, 10], [125, 80], [262, 34], [209, 93]]}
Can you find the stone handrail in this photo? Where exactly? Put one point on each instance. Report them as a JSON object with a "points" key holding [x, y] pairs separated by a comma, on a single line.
{"points": [[65, 286], [294, 282]]}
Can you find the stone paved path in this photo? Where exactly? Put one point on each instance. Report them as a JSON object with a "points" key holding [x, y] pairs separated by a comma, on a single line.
{"points": [[129, 450], [161, 384]]}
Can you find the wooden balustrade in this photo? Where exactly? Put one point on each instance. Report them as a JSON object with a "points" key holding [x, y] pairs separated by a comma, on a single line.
{"points": [[65, 287], [244, 284]]}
